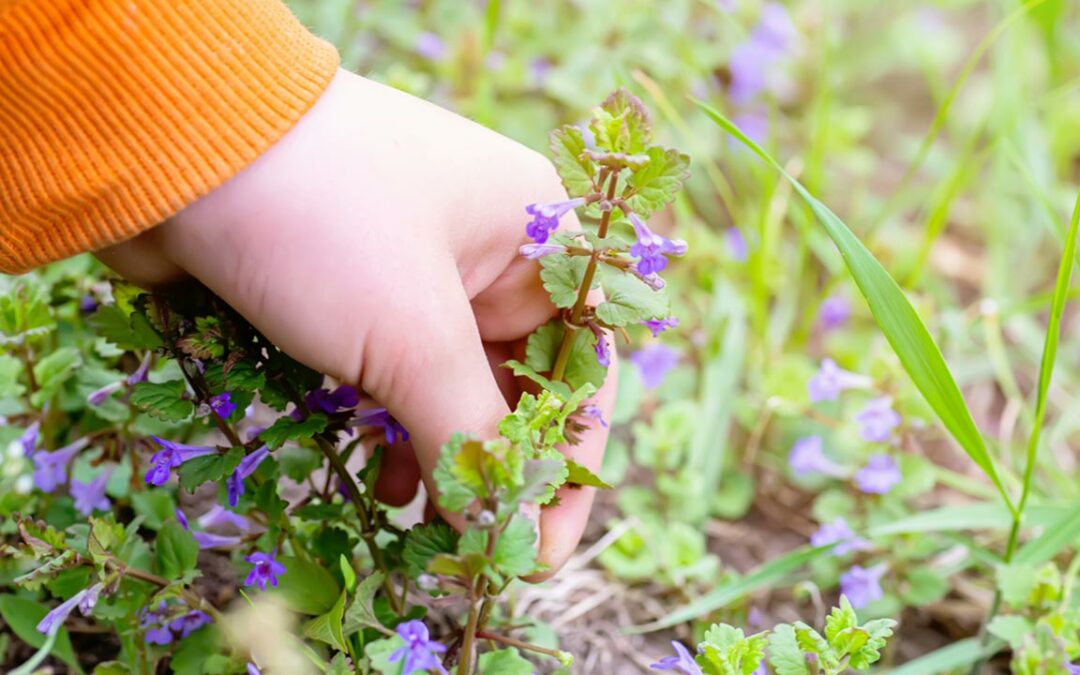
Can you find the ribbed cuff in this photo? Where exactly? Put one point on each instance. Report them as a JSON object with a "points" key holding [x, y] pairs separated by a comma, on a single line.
{"points": [[116, 114]]}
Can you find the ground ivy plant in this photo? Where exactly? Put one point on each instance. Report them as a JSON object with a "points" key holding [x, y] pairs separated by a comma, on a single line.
{"points": [[117, 402]]}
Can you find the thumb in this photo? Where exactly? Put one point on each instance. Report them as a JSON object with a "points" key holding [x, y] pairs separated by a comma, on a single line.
{"points": [[430, 370]]}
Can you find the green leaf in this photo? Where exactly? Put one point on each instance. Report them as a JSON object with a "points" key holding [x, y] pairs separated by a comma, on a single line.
{"points": [[657, 182], [200, 470], [629, 300], [505, 662], [126, 331], [54, 369], [1058, 536], [563, 276], [379, 651], [567, 153], [23, 616], [241, 377], [515, 549], [840, 619], [1011, 629], [175, 551], [521, 370], [541, 478], [1016, 581], [424, 542], [191, 655], [328, 627], [164, 400], [776, 570], [453, 494], [287, 429], [361, 613], [581, 475], [785, 655], [947, 659], [157, 507], [622, 124], [307, 587], [581, 367], [898, 320], [877, 632]]}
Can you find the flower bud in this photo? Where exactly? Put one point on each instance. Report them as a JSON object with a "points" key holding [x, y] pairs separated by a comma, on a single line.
{"points": [[428, 582], [485, 519]]}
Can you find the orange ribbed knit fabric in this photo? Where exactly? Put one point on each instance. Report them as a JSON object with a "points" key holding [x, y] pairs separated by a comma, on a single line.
{"points": [[115, 114]]}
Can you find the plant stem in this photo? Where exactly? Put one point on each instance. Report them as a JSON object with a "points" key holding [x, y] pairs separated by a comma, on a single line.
{"points": [[559, 369], [520, 644], [465, 662]]}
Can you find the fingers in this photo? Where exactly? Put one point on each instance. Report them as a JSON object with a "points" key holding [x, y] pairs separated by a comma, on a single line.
{"points": [[399, 475]]}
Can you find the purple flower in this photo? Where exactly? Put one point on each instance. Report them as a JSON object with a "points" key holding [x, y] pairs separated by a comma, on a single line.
{"points": [[158, 635], [657, 326], [834, 313], [775, 27], [594, 412], [683, 662], [546, 217], [736, 244], [99, 396], [862, 586], [253, 669], [84, 600], [380, 417], [91, 496], [265, 570], [207, 540], [171, 456], [29, 438], [807, 458], [753, 62], [1073, 669], [880, 475], [152, 621], [603, 356], [140, 373], [755, 124], [219, 516], [51, 467], [330, 402], [234, 486], [87, 304], [188, 623], [222, 405], [537, 251], [838, 532], [650, 248], [431, 47], [877, 420], [831, 379], [539, 69], [654, 362], [419, 650]]}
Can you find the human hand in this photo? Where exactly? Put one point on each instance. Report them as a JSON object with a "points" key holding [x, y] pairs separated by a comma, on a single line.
{"points": [[377, 242]]}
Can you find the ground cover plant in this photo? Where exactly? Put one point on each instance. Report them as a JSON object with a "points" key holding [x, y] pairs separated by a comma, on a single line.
{"points": [[844, 440]]}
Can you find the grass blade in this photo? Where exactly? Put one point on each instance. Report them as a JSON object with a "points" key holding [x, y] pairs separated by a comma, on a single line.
{"points": [[1057, 536], [767, 574], [956, 655], [898, 320], [967, 517]]}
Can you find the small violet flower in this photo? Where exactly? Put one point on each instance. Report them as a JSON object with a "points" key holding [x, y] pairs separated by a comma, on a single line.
{"points": [[683, 662], [594, 412], [171, 456], [87, 304], [29, 438], [736, 244], [222, 405], [84, 600], [431, 46], [831, 379], [51, 467], [546, 217], [234, 486], [879, 476], [380, 417], [99, 396], [650, 248], [657, 326], [265, 570], [220, 516], [537, 251], [90, 497], [877, 420], [253, 669], [603, 356], [140, 373], [152, 622], [419, 650], [654, 362], [834, 313], [188, 623], [807, 458], [329, 402], [838, 532], [862, 585], [207, 540], [753, 62]]}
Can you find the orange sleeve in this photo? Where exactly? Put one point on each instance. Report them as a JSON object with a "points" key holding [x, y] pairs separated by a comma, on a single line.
{"points": [[116, 114]]}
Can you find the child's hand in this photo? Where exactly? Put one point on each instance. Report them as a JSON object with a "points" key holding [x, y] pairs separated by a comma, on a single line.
{"points": [[378, 242]]}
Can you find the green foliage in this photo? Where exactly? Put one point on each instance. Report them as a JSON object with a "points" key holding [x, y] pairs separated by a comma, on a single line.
{"points": [[164, 400], [568, 155]]}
